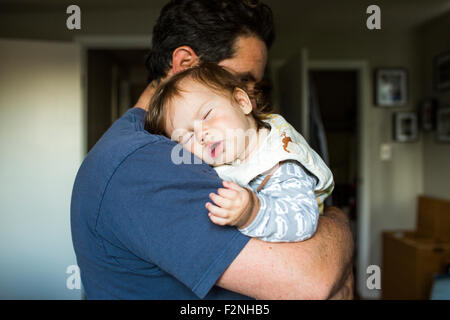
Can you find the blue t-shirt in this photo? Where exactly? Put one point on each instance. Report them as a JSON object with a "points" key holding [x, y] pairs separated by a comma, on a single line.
{"points": [[140, 228]]}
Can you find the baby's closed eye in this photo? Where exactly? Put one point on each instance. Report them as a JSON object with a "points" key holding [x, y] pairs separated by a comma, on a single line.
{"points": [[186, 138], [207, 114]]}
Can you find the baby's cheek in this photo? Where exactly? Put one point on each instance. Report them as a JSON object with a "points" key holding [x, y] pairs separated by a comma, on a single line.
{"points": [[221, 122]]}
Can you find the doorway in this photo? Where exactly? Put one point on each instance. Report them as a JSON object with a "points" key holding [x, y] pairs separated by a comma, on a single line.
{"points": [[334, 102], [115, 80], [336, 95], [343, 88]]}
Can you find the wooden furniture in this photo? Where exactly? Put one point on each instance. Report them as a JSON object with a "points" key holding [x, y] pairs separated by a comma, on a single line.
{"points": [[433, 218], [412, 258], [410, 263]]}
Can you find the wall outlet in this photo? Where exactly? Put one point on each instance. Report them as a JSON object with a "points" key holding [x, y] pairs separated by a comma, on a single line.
{"points": [[385, 152]]}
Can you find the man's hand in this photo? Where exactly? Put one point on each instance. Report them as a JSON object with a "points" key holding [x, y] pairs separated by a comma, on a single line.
{"points": [[233, 205]]}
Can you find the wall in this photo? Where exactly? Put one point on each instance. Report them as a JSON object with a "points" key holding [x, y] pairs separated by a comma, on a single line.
{"points": [[435, 40], [41, 145], [51, 23]]}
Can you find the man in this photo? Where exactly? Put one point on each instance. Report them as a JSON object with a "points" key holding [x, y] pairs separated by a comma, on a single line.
{"points": [[139, 225]]}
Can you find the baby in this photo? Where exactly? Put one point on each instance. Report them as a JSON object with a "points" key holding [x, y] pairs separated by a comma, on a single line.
{"points": [[274, 183]]}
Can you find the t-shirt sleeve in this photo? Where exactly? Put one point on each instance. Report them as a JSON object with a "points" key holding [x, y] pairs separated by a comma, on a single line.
{"points": [[156, 210]]}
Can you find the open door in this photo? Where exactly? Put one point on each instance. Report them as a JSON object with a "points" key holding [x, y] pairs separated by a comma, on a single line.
{"points": [[293, 92], [42, 147]]}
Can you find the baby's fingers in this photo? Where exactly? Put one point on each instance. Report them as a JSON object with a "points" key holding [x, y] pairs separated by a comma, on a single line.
{"points": [[217, 211], [220, 201], [217, 215], [231, 185], [227, 193], [218, 220]]}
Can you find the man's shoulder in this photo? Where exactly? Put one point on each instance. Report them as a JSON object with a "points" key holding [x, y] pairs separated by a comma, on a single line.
{"points": [[120, 142], [126, 147], [125, 137]]}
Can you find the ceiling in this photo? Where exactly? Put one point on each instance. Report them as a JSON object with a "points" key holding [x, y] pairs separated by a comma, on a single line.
{"points": [[351, 14], [342, 15]]}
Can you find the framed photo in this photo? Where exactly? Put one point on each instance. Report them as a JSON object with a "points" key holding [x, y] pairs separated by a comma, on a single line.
{"points": [[442, 71], [391, 87], [428, 114], [443, 124], [406, 127]]}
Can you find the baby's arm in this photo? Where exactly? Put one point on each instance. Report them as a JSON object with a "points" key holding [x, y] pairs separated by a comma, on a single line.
{"points": [[288, 207], [233, 205], [285, 210]]}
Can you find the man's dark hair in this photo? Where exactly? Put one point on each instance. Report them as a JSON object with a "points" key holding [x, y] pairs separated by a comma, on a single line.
{"points": [[209, 27]]}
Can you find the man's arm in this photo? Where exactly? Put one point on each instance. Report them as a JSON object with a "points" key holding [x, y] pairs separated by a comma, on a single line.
{"points": [[312, 269], [144, 99]]}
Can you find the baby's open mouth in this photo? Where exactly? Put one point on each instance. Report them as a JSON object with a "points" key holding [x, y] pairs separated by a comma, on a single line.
{"points": [[215, 148]]}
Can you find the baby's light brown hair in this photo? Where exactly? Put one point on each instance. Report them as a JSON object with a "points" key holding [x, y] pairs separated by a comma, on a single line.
{"points": [[214, 77]]}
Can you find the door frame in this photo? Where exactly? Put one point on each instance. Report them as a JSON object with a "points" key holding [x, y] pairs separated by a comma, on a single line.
{"points": [[105, 42], [363, 192]]}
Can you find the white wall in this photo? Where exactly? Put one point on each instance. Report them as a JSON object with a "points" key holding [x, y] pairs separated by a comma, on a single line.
{"points": [[41, 150]]}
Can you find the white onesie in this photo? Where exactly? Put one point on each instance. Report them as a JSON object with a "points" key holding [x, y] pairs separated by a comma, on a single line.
{"points": [[292, 198]]}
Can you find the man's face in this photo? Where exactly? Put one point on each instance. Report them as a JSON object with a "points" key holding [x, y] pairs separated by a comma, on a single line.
{"points": [[249, 60]]}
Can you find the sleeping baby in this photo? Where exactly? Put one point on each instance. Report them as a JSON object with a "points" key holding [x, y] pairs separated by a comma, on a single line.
{"points": [[274, 184]]}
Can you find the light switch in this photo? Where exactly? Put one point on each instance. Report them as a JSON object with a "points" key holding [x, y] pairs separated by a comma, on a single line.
{"points": [[385, 152]]}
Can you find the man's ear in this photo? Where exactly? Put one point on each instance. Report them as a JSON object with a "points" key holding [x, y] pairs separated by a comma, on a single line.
{"points": [[183, 58], [243, 100]]}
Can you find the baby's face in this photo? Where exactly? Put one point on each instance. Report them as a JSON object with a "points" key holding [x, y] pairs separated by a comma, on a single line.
{"points": [[213, 126]]}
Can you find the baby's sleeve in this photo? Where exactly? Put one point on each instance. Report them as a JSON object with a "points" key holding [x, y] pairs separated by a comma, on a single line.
{"points": [[288, 207]]}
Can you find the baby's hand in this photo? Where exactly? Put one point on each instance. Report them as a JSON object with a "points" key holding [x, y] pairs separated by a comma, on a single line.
{"points": [[234, 205]]}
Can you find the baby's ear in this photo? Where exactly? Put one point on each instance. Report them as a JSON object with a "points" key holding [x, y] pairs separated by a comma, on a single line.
{"points": [[243, 100]]}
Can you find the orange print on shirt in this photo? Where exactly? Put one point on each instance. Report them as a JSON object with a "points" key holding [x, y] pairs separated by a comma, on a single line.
{"points": [[285, 141]]}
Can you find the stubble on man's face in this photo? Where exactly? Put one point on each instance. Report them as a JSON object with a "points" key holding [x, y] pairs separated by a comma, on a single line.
{"points": [[249, 60]]}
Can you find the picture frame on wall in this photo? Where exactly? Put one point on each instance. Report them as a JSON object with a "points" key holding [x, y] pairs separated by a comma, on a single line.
{"points": [[428, 114], [443, 125], [442, 72], [405, 127], [391, 87]]}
